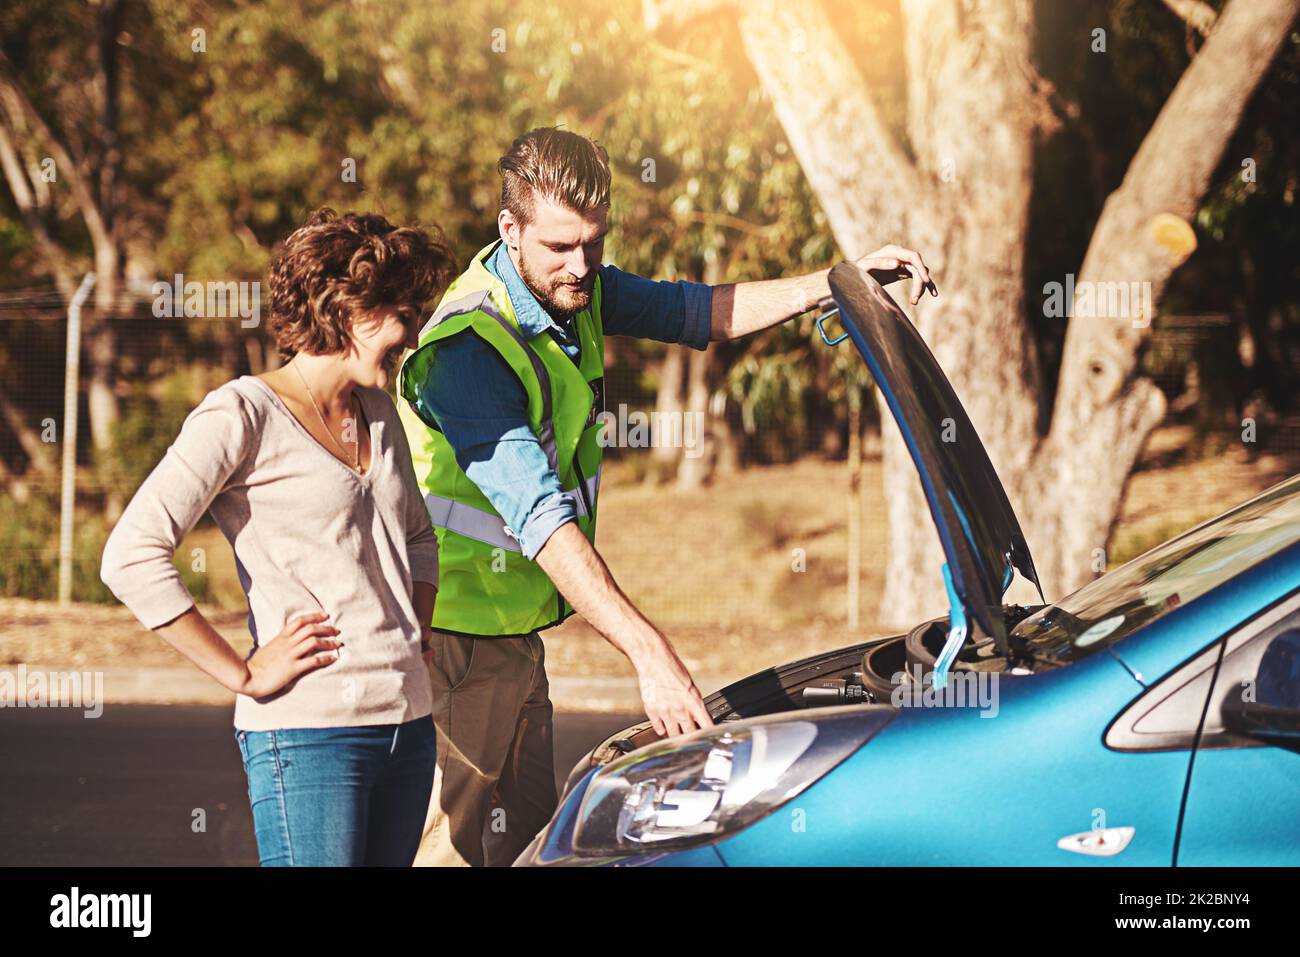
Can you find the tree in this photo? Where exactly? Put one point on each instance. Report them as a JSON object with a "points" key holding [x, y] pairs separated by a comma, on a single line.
{"points": [[78, 146], [959, 191]]}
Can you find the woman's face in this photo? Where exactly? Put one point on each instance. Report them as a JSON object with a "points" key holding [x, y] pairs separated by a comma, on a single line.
{"points": [[378, 341]]}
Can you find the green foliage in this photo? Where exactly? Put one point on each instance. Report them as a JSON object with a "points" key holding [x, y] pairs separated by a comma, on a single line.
{"points": [[150, 419], [225, 149], [29, 552], [28, 543]]}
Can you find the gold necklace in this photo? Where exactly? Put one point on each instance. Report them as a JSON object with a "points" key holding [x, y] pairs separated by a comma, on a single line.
{"points": [[356, 454]]}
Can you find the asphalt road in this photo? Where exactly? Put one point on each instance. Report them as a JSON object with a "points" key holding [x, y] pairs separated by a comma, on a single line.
{"points": [[127, 788]]}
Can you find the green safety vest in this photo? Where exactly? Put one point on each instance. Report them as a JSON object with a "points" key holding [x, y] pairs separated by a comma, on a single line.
{"points": [[486, 587]]}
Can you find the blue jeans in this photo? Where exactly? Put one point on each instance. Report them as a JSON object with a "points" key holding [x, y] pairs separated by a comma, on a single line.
{"points": [[339, 797]]}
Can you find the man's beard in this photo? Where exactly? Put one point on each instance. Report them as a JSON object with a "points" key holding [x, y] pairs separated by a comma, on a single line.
{"points": [[561, 301]]}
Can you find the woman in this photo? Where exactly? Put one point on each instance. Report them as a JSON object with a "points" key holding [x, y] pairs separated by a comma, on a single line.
{"points": [[307, 473]]}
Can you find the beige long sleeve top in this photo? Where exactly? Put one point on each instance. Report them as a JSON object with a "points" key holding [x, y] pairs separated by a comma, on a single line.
{"points": [[308, 533]]}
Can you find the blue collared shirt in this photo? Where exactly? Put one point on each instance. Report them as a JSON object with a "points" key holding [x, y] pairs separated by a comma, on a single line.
{"points": [[482, 409]]}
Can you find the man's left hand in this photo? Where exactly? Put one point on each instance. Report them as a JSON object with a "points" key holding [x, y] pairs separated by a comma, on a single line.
{"points": [[892, 263]]}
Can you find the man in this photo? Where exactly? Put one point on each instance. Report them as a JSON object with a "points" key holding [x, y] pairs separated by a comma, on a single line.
{"points": [[502, 408]]}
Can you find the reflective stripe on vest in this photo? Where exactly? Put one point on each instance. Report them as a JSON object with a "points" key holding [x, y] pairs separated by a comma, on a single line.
{"points": [[488, 527]]}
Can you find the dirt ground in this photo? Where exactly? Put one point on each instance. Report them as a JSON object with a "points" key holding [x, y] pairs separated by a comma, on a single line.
{"points": [[712, 567]]}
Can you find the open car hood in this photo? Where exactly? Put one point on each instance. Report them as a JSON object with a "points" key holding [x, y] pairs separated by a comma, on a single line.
{"points": [[979, 532]]}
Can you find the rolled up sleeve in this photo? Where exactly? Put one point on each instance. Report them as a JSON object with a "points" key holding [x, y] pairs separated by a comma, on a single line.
{"points": [[542, 522], [678, 312], [137, 561], [482, 410]]}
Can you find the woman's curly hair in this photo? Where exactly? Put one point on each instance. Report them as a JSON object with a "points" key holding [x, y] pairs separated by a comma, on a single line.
{"points": [[334, 268]]}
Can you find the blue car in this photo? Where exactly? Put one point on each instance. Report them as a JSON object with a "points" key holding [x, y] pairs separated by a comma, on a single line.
{"points": [[1150, 718]]}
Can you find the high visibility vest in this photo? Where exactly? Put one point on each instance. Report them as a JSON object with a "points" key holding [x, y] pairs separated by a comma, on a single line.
{"points": [[486, 586]]}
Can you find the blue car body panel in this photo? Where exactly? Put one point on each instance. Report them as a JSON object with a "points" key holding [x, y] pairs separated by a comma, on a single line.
{"points": [[957, 788], [1243, 809]]}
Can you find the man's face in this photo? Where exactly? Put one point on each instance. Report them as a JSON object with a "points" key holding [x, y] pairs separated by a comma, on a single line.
{"points": [[557, 253]]}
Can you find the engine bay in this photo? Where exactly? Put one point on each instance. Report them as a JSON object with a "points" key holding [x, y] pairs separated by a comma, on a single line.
{"points": [[866, 673]]}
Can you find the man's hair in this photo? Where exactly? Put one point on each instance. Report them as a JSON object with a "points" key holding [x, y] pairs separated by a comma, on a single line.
{"points": [[566, 168], [333, 268]]}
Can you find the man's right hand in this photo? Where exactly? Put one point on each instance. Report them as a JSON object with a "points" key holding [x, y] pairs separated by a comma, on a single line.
{"points": [[302, 646], [672, 702]]}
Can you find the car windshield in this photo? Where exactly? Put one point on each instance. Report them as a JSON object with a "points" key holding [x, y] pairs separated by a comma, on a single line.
{"points": [[1183, 568]]}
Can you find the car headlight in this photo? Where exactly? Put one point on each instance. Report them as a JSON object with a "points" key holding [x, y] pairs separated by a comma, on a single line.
{"points": [[695, 789]]}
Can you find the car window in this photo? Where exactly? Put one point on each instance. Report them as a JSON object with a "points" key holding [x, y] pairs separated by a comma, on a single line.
{"points": [[1266, 671], [1260, 660], [1180, 570]]}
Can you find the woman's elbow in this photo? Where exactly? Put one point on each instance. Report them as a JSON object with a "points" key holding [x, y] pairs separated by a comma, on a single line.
{"points": [[113, 563], [110, 570]]}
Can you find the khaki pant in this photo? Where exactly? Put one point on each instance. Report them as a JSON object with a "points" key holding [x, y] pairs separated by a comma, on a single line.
{"points": [[494, 788]]}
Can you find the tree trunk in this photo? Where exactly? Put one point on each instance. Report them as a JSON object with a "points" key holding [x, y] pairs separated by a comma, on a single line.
{"points": [[21, 122], [693, 469], [1104, 409], [963, 202], [100, 338], [668, 402], [975, 102], [723, 438]]}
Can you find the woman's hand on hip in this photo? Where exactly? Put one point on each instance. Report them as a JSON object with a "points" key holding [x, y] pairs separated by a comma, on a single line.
{"points": [[304, 645]]}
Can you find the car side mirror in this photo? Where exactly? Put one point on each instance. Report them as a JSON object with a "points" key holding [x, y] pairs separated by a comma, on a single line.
{"points": [[1267, 708]]}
